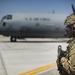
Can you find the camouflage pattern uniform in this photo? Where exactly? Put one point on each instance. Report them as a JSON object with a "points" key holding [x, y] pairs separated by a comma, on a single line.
{"points": [[68, 62], [70, 28]]}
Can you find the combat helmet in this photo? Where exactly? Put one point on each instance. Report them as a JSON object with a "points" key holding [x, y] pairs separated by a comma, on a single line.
{"points": [[70, 22]]}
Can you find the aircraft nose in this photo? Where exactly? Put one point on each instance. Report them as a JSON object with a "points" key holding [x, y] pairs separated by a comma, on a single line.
{"points": [[0, 26]]}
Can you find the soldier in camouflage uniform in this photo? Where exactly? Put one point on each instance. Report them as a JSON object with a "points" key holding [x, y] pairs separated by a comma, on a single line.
{"points": [[70, 28], [66, 63]]}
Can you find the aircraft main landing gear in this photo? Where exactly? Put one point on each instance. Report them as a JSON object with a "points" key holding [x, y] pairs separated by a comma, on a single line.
{"points": [[13, 39]]}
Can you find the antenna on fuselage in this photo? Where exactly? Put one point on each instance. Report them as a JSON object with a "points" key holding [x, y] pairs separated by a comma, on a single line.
{"points": [[53, 12]]}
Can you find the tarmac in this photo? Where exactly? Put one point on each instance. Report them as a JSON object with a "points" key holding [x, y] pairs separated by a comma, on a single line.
{"points": [[29, 56]]}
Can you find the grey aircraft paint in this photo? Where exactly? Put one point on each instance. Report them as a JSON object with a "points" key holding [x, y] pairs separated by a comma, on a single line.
{"points": [[33, 25]]}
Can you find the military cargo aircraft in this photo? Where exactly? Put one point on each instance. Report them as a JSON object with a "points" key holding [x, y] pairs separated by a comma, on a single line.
{"points": [[33, 25]]}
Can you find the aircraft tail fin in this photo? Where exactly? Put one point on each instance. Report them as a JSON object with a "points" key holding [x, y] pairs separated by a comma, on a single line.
{"points": [[73, 8]]}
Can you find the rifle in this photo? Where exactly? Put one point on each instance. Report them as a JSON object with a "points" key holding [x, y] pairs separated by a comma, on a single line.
{"points": [[61, 54]]}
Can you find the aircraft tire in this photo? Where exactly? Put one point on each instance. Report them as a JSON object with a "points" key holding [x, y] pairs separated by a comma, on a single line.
{"points": [[13, 39]]}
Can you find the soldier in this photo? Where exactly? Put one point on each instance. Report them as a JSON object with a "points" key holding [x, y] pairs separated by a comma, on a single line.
{"points": [[66, 60]]}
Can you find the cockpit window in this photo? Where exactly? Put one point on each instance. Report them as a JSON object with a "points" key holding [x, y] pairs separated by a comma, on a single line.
{"points": [[8, 17], [3, 18]]}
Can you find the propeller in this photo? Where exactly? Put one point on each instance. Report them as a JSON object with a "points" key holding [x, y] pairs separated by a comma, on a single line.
{"points": [[73, 9]]}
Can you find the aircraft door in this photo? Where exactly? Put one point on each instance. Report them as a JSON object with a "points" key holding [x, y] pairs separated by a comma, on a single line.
{"points": [[57, 28], [23, 31], [58, 31]]}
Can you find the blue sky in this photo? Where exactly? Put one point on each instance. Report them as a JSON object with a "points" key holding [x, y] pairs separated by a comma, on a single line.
{"points": [[35, 6]]}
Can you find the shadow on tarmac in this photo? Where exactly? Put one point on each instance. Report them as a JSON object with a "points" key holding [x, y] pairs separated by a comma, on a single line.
{"points": [[35, 41]]}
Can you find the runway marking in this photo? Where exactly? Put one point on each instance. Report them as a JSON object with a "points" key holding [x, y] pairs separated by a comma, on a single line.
{"points": [[38, 70]]}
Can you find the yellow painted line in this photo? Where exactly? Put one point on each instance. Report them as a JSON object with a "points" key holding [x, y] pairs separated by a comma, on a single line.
{"points": [[38, 70]]}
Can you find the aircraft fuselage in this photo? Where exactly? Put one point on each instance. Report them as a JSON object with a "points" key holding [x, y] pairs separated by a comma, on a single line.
{"points": [[33, 25]]}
